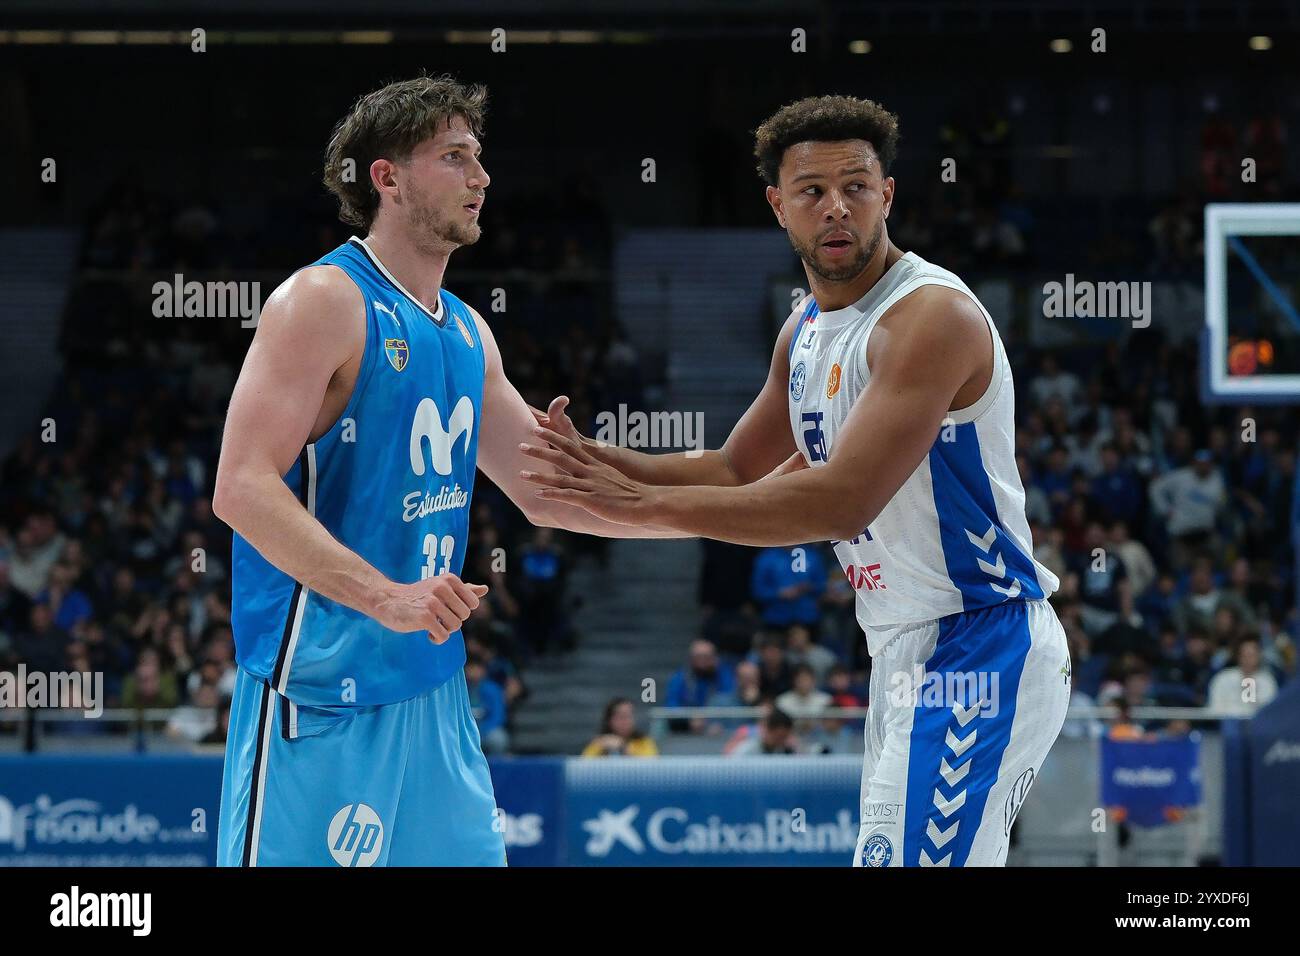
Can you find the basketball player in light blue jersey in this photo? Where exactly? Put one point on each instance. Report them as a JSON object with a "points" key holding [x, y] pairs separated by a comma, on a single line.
{"points": [[886, 426], [367, 399]]}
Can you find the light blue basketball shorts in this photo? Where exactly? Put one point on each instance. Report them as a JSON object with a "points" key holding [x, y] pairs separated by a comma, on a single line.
{"points": [[402, 784]]}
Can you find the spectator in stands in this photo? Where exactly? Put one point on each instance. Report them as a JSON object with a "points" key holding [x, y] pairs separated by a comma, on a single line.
{"points": [[840, 629], [1053, 382], [149, 686], [619, 735], [724, 597], [543, 568], [1246, 687], [804, 701], [487, 701], [1057, 478], [15, 606], [775, 736], [774, 672], [787, 584], [839, 684], [217, 737], [37, 547], [1195, 610], [1237, 595], [197, 719], [69, 604], [1116, 491], [703, 676], [42, 646], [748, 690], [1103, 582], [1190, 500], [500, 670], [1139, 566], [800, 650]]}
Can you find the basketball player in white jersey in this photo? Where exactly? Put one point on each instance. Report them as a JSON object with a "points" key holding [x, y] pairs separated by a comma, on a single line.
{"points": [[886, 426]]}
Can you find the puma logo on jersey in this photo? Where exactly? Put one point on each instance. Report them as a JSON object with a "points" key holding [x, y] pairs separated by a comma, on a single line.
{"points": [[391, 313], [427, 426]]}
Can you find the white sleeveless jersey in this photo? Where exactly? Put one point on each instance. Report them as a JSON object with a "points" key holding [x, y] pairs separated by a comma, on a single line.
{"points": [[954, 537]]}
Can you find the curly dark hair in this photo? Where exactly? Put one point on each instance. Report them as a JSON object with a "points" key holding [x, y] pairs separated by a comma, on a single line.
{"points": [[389, 123], [824, 119]]}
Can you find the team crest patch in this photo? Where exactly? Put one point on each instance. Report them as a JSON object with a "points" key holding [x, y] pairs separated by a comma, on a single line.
{"points": [[464, 330], [833, 381], [397, 353], [877, 851], [797, 381]]}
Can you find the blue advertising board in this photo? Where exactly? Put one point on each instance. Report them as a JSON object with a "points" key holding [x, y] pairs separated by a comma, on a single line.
{"points": [[143, 810], [1149, 778], [1273, 771], [135, 810], [709, 811]]}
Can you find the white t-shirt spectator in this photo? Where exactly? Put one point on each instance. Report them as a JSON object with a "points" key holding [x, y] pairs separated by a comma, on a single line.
{"points": [[1227, 691], [1188, 502], [1138, 563], [192, 723], [799, 706], [1062, 385]]}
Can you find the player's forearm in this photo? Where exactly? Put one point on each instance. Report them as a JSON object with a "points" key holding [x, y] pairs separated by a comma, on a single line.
{"points": [[554, 514], [266, 513], [790, 509], [675, 468]]}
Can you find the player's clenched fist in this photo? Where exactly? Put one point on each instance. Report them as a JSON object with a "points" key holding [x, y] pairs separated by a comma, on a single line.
{"points": [[438, 605]]}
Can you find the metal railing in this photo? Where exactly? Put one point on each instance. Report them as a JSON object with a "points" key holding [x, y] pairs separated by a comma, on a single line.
{"points": [[144, 729], [1076, 712], [137, 729]]}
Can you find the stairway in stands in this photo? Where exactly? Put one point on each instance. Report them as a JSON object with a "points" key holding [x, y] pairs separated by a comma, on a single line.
{"points": [[36, 267], [700, 298]]}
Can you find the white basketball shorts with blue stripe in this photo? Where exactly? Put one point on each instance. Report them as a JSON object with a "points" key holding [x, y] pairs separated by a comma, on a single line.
{"points": [[963, 711]]}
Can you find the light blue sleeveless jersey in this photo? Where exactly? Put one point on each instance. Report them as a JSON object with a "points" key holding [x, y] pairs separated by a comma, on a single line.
{"points": [[392, 481]]}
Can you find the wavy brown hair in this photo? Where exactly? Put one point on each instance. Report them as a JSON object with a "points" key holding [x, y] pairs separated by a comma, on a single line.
{"points": [[388, 124]]}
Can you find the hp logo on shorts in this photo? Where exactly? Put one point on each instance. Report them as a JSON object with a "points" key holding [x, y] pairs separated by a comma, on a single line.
{"points": [[356, 836]]}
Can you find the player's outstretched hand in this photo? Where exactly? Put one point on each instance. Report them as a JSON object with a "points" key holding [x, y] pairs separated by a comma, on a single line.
{"points": [[585, 481], [439, 605], [556, 418]]}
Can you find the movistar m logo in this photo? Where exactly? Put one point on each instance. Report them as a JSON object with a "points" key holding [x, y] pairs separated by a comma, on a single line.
{"points": [[427, 426]]}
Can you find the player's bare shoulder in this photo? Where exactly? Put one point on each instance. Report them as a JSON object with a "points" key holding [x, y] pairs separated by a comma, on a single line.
{"points": [[933, 323], [319, 309]]}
